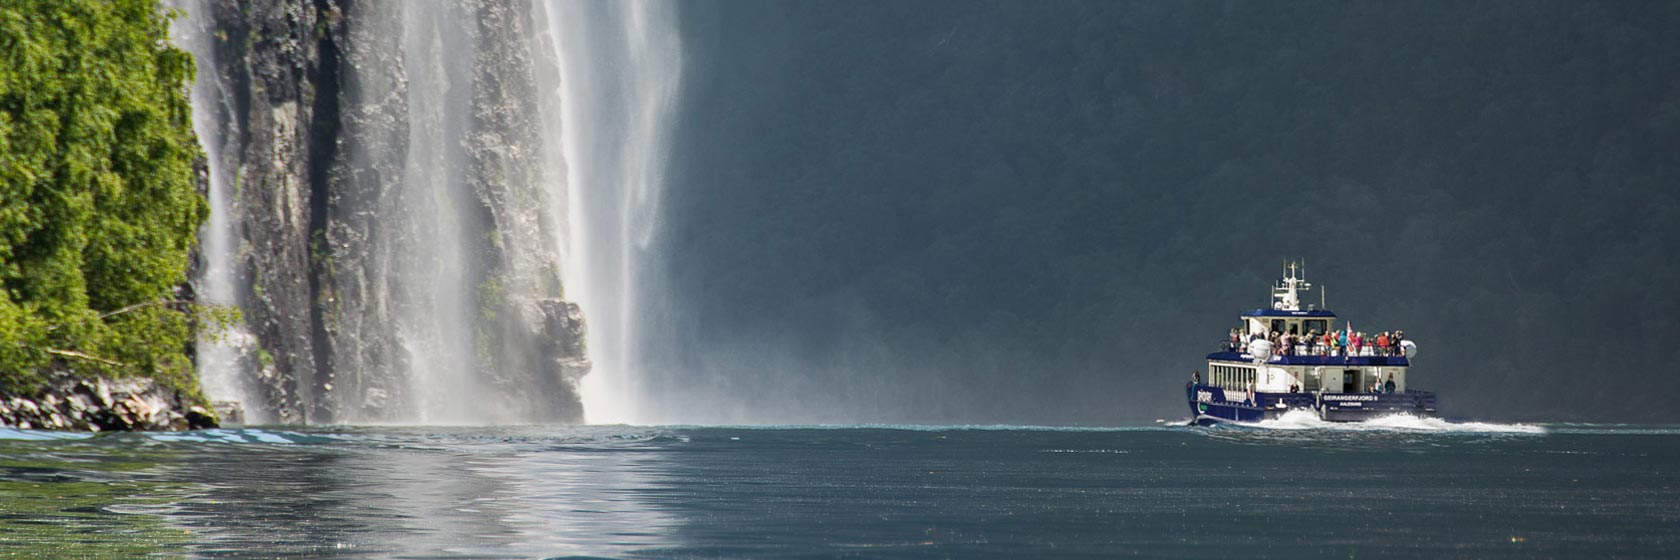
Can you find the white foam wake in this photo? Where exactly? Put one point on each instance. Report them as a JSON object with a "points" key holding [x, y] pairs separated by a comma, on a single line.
{"points": [[1306, 420]]}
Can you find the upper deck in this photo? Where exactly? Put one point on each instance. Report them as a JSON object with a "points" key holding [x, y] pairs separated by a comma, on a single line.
{"points": [[1286, 314], [1292, 332], [1315, 360]]}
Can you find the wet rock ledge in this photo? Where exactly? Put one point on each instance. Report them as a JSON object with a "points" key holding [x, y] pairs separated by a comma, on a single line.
{"points": [[94, 405]]}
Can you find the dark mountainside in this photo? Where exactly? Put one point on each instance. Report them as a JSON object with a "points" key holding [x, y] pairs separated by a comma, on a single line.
{"points": [[1019, 212]]}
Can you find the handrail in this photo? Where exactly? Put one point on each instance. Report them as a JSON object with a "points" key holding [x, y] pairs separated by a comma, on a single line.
{"points": [[1364, 350]]}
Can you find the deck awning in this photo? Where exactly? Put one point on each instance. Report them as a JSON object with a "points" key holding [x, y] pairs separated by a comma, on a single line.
{"points": [[1285, 313]]}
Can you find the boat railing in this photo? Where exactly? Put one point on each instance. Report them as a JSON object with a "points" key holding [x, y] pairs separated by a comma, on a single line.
{"points": [[1322, 350]]}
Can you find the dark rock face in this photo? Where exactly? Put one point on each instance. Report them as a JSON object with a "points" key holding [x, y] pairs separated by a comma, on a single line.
{"points": [[268, 56], [537, 337], [72, 403], [330, 137]]}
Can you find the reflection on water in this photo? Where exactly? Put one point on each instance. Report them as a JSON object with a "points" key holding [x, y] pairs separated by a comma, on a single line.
{"points": [[841, 492], [414, 493], [393, 492]]}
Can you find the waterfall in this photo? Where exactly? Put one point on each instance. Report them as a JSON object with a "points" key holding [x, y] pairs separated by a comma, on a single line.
{"points": [[407, 198], [217, 280], [437, 331], [621, 69], [445, 259]]}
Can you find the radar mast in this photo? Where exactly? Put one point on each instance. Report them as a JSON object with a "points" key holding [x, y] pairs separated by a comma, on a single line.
{"points": [[1286, 295]]}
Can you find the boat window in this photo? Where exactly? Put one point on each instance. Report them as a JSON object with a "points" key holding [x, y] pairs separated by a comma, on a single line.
{"points": [[1316, 326], [1277, 325]]}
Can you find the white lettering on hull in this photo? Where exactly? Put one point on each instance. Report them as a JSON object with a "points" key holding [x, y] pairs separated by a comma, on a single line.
{"points": [[1342, 397]]}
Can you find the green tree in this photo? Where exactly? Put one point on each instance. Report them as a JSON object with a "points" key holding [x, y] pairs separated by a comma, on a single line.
{"points": [[99, 208]]}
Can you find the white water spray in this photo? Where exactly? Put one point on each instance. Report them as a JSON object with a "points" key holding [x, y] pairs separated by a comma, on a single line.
{"points": [[620, 71], [218, 371], [1307, 420], [437, 327]]}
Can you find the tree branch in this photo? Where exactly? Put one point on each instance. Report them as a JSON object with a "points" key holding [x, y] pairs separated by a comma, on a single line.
{"points": [[135, 307], [143, 305], [75, 354]]}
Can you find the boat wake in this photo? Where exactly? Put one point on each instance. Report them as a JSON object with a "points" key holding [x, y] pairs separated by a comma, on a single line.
{"points": [[1306, 420]]}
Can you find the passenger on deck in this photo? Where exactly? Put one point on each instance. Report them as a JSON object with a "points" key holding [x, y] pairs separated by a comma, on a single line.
{"points": [[1195, 377], [1399, 337], [1388, 386], [1382, 343]]}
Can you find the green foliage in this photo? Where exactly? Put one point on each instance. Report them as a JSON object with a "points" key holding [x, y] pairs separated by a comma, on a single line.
{"points": [[492, 299], [98, 205]]}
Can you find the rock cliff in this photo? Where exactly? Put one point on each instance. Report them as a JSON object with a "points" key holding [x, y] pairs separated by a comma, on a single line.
{"points": [[397, 251]]}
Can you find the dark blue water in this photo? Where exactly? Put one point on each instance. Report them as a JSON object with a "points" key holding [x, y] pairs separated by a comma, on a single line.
{"points": [[1419, 489]]}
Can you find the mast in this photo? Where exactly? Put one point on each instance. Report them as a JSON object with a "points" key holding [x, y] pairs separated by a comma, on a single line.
{"points": [[1286, 296]]}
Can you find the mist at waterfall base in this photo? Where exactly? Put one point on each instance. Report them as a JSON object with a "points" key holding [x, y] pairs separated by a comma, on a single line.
{"points": [[1005, 212], [1413, 489], [620, 64]]}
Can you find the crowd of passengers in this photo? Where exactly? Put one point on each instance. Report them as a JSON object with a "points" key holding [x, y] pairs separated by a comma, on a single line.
{"points": [[1335, 343], [1387, 386]]}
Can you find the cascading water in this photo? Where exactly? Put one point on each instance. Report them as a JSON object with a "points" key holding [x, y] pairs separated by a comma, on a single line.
{"points": [[437, 329], [218, 359], [397, 236], [445, 272], [621, 69]]}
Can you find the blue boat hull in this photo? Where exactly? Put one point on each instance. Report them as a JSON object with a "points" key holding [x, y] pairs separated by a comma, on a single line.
{"points": [[1210, 404]]}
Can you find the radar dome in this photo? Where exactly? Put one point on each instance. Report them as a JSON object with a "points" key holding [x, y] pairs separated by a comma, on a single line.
{"points": [[1261, 350]]}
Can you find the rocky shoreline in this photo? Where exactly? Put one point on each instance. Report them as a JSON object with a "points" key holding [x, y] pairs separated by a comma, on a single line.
{"points": [[95, 405]]}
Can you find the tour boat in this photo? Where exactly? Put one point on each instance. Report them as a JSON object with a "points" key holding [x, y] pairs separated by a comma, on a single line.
{"points": [[1252, 379]]}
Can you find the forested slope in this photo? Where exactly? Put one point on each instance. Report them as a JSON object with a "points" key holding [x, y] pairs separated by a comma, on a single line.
{"points": [[99, 207]]}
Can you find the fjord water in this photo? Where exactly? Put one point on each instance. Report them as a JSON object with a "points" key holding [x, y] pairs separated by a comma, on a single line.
{"points": [[1411, 489]]}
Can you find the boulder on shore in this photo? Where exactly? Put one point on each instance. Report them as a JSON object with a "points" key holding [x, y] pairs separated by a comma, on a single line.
{"points": [[98, 404]]}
